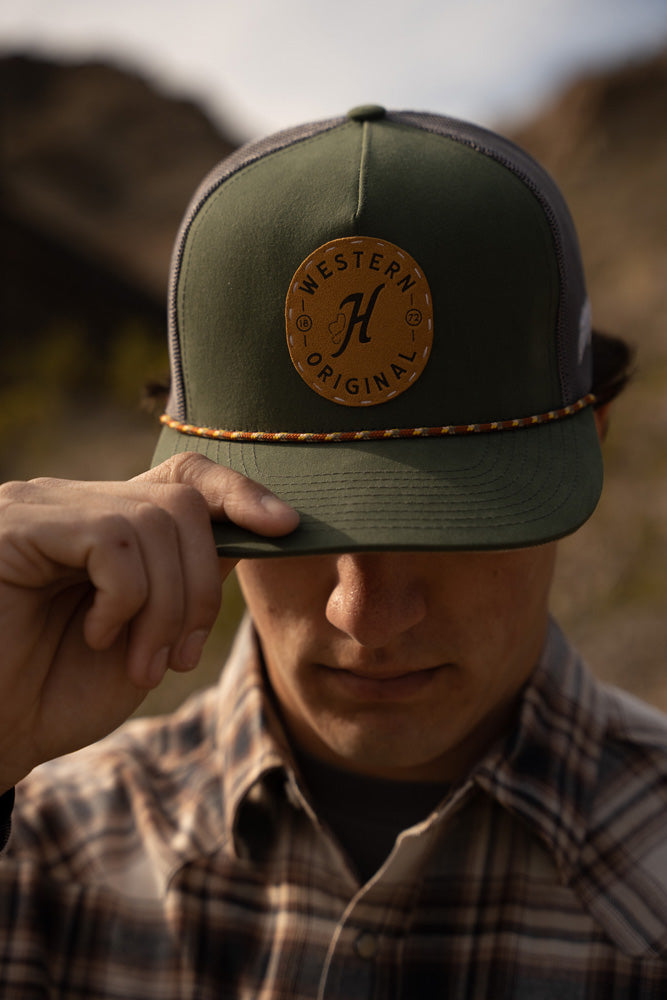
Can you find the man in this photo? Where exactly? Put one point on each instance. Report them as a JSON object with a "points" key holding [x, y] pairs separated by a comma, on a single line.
{"points": [[407, 784]]}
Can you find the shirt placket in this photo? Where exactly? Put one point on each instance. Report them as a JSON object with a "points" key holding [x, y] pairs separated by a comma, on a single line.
{"points": [[365, 955]]}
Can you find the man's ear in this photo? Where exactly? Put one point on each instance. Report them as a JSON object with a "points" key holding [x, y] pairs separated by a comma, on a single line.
{"points": [[601, 414]]}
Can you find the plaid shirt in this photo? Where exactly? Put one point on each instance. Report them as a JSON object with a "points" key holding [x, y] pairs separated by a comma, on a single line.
{"points": [[179, 860]]}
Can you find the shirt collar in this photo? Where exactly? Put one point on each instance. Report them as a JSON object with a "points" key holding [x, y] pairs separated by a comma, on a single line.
{"points": [[585, 769], [544, 772], [255, 752], [547, 769]]}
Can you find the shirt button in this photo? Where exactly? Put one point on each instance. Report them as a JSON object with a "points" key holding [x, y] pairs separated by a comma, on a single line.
{"points": [[366, 945]]}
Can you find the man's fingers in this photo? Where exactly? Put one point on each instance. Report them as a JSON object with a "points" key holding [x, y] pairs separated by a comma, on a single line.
{"points": [[157, 626], [116, 570], [228, 494], [153, 572], [182, 585], [147, 549], [197, 575]]}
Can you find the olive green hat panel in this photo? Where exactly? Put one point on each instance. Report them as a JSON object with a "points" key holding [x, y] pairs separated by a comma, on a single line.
{"points": [[241, 252], [486, 248]]}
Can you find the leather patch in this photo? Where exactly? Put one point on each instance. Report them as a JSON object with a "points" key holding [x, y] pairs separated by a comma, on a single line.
{"points": [[359, 319]]}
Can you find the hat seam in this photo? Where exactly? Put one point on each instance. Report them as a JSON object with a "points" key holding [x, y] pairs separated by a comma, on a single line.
{"points": [[520, 511], [484, 492], [363, 165]]}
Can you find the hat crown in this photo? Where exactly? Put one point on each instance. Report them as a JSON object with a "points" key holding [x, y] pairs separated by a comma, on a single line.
{"points": [[485, 224]]}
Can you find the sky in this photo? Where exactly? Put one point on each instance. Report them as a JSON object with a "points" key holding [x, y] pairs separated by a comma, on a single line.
{"points": [[260, 65]]}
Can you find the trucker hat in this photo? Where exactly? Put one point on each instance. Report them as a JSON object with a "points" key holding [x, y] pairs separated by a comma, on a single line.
{"points": [[383, 318]]}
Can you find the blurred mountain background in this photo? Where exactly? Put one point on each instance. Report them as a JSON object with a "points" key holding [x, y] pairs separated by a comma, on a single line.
{"points": [[98, 166]]}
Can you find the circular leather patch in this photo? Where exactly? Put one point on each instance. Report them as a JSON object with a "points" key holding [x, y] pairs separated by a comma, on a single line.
{"points": [[359, 318]]}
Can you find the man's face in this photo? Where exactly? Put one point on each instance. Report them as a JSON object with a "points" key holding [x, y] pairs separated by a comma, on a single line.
{"points": [[400, 665]]}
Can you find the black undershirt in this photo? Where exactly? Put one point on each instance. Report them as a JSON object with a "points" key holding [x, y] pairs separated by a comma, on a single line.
{"points": [[366, 814]]}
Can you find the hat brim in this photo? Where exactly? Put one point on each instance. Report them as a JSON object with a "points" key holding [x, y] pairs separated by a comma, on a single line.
{"points": [[494, 490]]}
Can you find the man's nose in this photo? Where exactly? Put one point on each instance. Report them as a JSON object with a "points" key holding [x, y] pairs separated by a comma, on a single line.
{"points": [[377, 597]]}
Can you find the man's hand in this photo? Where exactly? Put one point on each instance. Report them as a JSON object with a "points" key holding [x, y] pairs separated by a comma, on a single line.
{"points": [[103, 587]]}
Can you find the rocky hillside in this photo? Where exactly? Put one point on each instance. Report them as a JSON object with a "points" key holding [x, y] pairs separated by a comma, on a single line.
{"points": [[100, 160], [98, 169], [605, 141]]}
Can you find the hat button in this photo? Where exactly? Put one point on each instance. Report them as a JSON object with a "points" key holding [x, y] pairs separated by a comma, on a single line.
{"points": [[366, 113]]}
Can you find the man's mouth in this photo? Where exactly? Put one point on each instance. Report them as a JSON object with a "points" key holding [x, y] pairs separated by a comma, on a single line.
{"points": [[378, 686]]}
